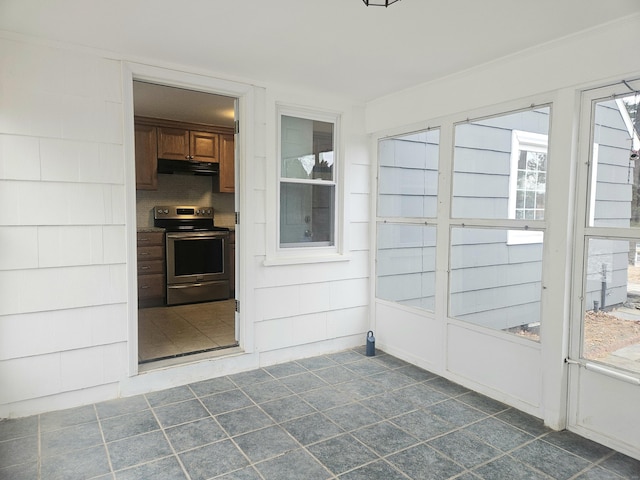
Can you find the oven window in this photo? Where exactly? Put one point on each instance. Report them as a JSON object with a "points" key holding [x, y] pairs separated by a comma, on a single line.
{"points": [[198, 256]]}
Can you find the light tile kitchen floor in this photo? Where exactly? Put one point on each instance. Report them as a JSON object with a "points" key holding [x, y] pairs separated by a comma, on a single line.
{"points": [[181, 329], [340, 416]]}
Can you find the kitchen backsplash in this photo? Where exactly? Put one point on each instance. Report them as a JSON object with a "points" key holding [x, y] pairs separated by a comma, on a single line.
{"points": [[184, 190]]}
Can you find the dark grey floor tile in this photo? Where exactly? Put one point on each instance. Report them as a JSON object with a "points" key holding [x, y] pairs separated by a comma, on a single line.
{"points": [[139, 449], [422, 425], [316, 363], [25, 471], [467, 476], [18, 450], [390, 361], [447, 387], [226, 401], [121, 406], [456, 413], [71, 438], [214, 385], [67, 418], [623, 465], [183, 412], [266, 391], [312, 428], [352, 416], [424, 463], [499, 434], [578, 445], [366, 367], [524, 421], [507, 468], [165, 469], [389, 405], [417, 373], [285, 369], [327, 397], [251, 377], [18, 427], [549, 459], [422, 395], [195, 434], [335, 375], [481, 402], [287, 408], [384, 438], [172, 395], [294, 465], [379, 470], [362, 388], [247, 473], [465, 449], [346, 356], [341, 454], [303, 382], [392, 380], [599, 473], [213, 460], [242, 421], [266, 443], [76, 465], [124, 426]]}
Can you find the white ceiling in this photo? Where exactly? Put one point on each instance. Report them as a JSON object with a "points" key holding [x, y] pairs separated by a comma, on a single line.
{"points": [[339, 46]]}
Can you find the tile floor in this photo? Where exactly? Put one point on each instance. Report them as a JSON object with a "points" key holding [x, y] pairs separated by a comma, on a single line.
{"points": [[341, 416], [169, 331]]}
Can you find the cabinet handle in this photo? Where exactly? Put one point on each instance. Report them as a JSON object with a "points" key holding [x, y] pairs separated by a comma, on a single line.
{"points": [[145, 267], [144, 239], [143, 254], [144, 287]]}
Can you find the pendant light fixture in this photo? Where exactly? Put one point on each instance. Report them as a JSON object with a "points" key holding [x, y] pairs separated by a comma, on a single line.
{"points": [[379, 3]]}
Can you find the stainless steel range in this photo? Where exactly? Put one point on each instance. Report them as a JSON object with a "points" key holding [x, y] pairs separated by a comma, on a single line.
{"points": [[196, 254]]}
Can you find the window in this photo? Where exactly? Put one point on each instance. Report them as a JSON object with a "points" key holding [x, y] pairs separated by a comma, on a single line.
{"points": [[307, 179]]}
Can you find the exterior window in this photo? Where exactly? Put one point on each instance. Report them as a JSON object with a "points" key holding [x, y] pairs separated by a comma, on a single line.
{"points": [[307, 180]]}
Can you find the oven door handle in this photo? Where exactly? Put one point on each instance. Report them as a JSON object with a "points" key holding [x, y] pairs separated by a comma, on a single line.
{"points": [[197, 236]]}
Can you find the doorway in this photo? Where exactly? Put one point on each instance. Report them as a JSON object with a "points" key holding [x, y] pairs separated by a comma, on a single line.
{"points": [[605, 342], [177, 124]]}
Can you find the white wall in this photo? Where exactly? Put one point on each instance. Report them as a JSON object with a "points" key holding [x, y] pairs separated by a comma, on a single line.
{"points": [[67, 230]]}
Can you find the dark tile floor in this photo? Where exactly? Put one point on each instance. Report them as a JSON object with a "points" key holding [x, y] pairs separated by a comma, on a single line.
{"points": [[341, 416]]}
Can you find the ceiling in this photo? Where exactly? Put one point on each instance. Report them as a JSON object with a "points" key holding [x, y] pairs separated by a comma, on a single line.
{"points": [[336, 46]]}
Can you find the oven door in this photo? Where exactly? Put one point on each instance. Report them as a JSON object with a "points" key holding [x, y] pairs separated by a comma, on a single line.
{"points": [[197, 267]]}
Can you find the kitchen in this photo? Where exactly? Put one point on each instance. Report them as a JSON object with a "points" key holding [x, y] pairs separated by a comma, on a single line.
{"points": [[185, 219]]}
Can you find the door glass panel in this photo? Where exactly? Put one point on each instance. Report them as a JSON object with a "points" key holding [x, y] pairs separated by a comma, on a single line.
{"points": [[406, 264], [500, 166], [495, 283], [615, 201], [611, 324], [408, 178]]}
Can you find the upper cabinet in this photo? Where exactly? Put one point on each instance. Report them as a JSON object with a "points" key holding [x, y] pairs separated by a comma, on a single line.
{"points": [[183, 144], [146, 157], [227, 153]]}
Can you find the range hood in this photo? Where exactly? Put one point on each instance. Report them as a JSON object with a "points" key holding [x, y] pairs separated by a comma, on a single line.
{"points": [[186, 167]]}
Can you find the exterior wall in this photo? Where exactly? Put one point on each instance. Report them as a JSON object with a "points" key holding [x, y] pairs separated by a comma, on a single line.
{"points": [[67, 311]]}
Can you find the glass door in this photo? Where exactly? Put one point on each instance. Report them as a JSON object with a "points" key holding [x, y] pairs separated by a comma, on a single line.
{"points": [[605, 347]]}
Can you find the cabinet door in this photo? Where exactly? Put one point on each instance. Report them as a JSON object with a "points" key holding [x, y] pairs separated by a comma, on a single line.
{"points": [[173, 143], [227, 153], [204, 146], [146, 157]]}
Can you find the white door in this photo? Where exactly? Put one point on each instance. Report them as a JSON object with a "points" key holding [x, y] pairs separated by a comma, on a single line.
{"points": [[604, 355]]}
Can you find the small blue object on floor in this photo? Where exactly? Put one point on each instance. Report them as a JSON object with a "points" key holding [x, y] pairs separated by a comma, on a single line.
{"points": [[371, 344]]}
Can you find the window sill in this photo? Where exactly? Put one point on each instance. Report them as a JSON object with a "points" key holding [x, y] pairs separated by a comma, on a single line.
{"points": [[305, 259]]}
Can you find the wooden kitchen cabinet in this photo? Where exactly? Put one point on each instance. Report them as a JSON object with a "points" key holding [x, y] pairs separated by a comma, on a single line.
{"points": [[227, 159], [184, 144], [146, 146], [151, 269]]}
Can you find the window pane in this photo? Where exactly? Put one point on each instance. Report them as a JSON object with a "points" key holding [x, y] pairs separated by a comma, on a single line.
{"points": [[611, 328], [495, 159], [408, 177], [615, 201], [406, 264], [307, 148], [494, 283], [306, 214]]}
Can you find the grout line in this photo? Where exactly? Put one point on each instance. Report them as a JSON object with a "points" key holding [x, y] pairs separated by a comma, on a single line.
{"points": [[104, 441]]}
